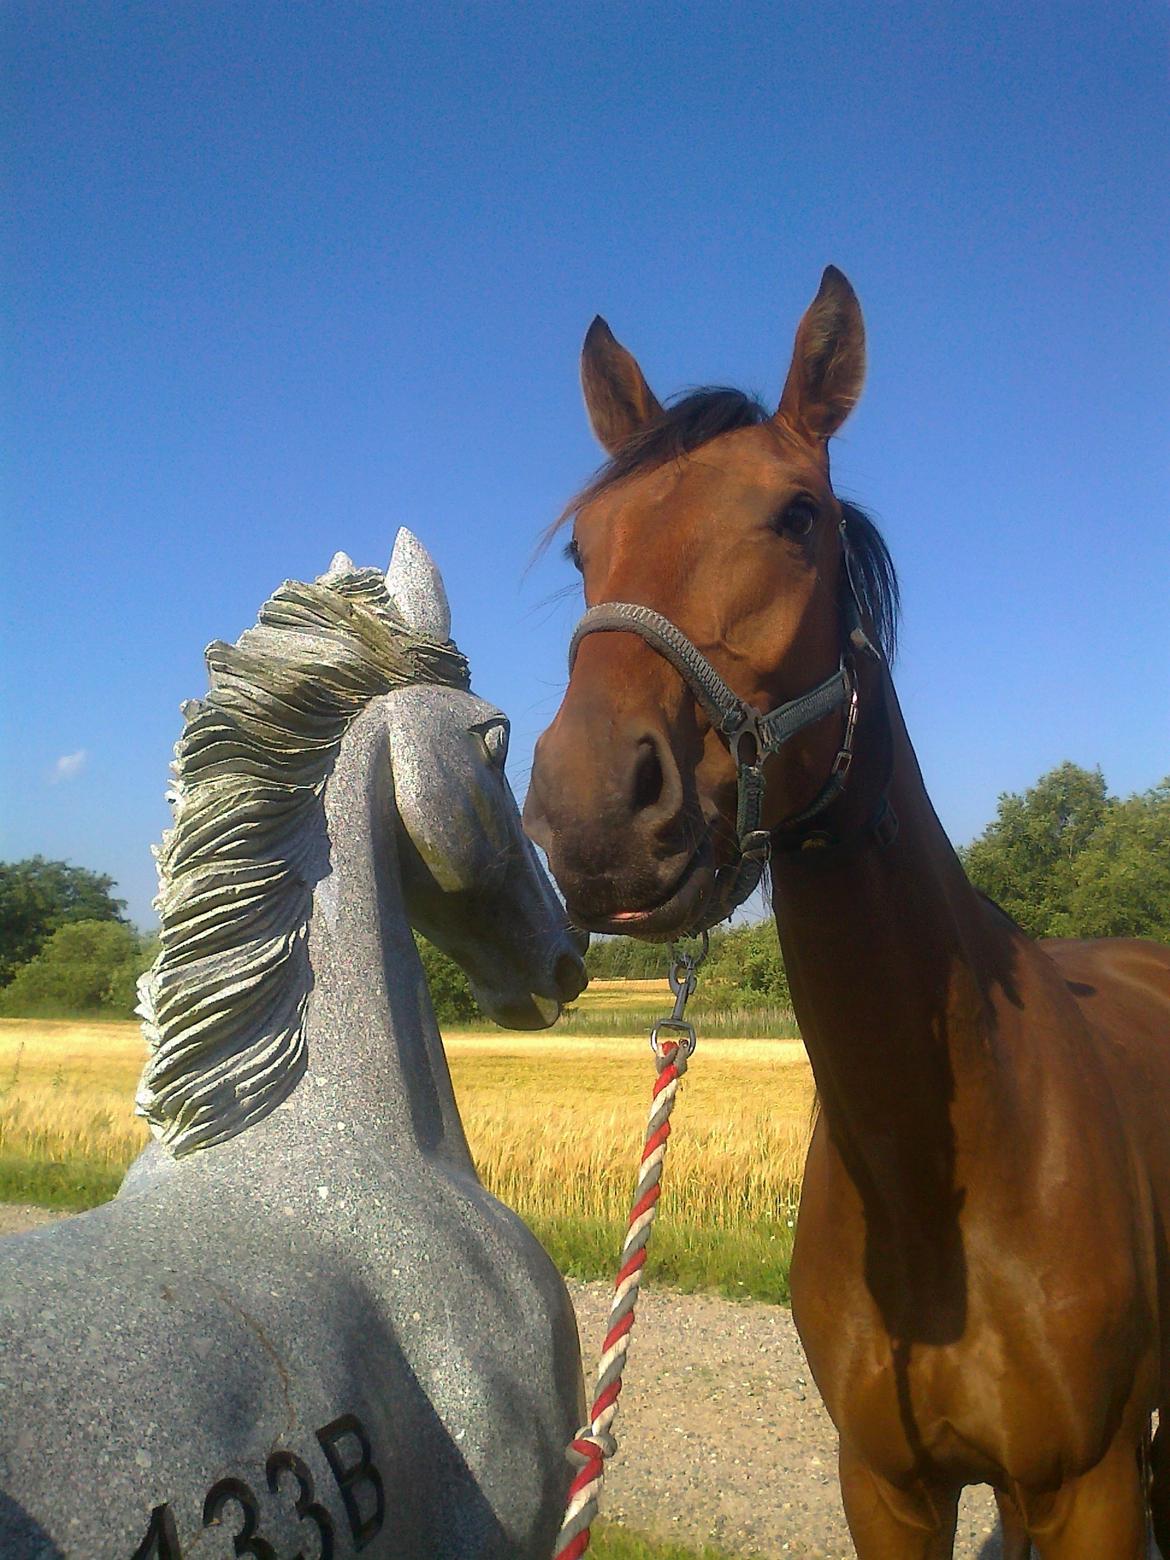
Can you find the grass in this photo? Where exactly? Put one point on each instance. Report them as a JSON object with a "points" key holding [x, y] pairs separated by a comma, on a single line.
{"points": [[555, 1122], [716, 1021], [619, 1008], [616, 1543]]}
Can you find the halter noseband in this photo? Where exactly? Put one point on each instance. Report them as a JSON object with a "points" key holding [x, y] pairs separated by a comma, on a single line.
{"points": [[750, 735]]}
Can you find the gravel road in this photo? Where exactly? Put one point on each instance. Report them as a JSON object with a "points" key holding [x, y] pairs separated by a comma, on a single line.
{"points": [[722, 1437]]}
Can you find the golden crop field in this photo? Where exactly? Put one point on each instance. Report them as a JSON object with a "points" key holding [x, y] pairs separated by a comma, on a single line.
{"points": [[67, 1091], [740, 1127], [610, 996], [554, 1121]]}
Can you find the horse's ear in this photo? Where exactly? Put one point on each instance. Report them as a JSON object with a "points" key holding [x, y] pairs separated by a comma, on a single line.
{"points": [[828, 361], [415, 585], [617, 397]]}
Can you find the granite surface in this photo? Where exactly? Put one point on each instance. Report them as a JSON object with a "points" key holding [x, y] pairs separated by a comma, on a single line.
{"points": [[322, 1336]]}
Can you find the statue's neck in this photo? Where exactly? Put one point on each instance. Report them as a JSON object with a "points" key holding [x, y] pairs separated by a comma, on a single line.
{"points": [[374, 1052]]}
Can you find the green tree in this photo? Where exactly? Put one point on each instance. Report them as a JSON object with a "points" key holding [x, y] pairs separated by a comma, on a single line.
{"points": [[1026, 859], [80, 970], [1122, 886], [38, 896], [121, 994], [625, 958], [450, 989], [748, 962]]}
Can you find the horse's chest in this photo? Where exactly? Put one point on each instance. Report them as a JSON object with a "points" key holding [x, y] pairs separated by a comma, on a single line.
{"points": [[1021, 1391]]}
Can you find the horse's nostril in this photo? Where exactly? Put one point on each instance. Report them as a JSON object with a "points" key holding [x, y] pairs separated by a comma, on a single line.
{"points": [[648, 777], [568, 977]]}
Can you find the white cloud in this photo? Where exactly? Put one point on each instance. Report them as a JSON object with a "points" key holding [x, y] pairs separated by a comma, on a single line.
{"points": [[69, 765]]}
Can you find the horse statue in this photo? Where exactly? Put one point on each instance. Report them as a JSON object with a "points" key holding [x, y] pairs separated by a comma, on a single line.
{"points": [[303, 1327], [981, 1277]]}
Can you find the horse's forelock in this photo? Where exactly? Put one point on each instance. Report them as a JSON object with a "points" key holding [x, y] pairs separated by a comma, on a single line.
{"points": [[688, 422]]}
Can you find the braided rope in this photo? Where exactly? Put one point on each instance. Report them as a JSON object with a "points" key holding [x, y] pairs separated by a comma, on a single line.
{"points": [[595, 1442]]}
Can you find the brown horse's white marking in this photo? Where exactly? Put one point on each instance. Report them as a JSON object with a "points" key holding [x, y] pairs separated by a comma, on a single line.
{"points": [[981, 1278]]}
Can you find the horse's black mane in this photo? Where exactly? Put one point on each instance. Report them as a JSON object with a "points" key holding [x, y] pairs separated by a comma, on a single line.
{"points": [[698, 417]]}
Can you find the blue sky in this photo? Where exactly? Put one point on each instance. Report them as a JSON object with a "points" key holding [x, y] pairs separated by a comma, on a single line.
{"points": [[281, 278]]}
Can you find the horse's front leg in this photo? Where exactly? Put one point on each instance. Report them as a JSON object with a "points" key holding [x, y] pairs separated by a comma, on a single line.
{"points": [[888, 1523], [1103, 1513]]}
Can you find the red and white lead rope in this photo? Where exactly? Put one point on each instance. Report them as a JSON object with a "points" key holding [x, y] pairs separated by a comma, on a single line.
{"points": [[595, 1442]]}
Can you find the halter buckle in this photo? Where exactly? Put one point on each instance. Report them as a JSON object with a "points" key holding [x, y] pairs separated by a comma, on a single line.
{"points": [[845, 753], [756, 846]]}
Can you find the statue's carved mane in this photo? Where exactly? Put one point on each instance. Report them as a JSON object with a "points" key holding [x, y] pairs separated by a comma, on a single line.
{"points": [[223, 1004]]}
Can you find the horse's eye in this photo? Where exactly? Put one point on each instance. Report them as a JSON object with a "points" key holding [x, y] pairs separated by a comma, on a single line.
{"points": [[573, 553], [495, 742], [797, 518]]}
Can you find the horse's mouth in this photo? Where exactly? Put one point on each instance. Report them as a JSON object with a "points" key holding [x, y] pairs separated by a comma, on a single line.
{"points": [[670, 916]]}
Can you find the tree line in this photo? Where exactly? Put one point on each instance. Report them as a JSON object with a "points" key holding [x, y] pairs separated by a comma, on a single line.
{"points": [[66, 947], [1064, 859]]}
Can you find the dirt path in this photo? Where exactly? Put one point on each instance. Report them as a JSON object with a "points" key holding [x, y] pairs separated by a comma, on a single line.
{"points": [[722, 1437], [15, 1217]]}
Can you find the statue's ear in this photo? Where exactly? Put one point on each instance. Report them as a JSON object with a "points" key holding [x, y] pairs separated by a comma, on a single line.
{"points": [[828, 361], [416, 588], [341, 564], [617, 397]]}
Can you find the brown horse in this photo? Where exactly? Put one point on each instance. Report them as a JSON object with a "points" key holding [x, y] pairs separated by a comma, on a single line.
{"points": [[981, 1277]]}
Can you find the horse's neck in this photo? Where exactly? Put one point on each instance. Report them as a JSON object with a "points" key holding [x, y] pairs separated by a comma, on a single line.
{"points": [[374, 1052], [896, 968]]}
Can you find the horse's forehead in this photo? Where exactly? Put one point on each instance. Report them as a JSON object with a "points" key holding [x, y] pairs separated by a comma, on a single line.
{"points": [[708, 481], [685, 511]]}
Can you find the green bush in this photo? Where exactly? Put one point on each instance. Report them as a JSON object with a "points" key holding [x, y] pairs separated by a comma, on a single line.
{"points": [[747, 963], [91, 968], [625, 958], [1122, 886], [121, 994], [450, 989], [85, 968], [744, 963]]}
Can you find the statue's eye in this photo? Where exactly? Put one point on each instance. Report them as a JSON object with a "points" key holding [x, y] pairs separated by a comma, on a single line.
{"points": [[797, 518], [494, 737], [573, 553]]}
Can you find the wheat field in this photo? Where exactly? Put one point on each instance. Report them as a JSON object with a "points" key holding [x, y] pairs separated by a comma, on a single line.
{"points": [[554, 1122]]}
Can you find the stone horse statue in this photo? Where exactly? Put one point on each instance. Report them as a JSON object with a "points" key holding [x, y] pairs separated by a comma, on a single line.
{"points": [[303, 1327]]}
